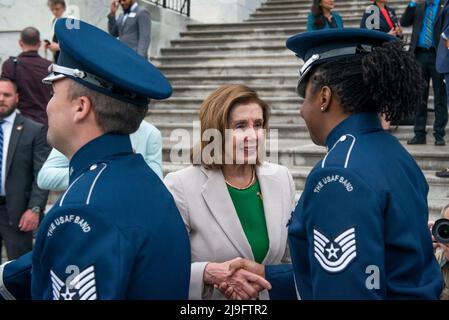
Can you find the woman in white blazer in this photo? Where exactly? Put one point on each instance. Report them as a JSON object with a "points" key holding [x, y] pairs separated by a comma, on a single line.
{"points": [[233, 204]]}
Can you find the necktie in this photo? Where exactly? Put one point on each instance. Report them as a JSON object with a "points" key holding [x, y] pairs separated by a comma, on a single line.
{"points": [[428, 35], [1, 155]]}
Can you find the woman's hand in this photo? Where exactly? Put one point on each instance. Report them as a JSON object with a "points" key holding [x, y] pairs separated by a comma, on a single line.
{"points": [[243, 285], [216, 273]]}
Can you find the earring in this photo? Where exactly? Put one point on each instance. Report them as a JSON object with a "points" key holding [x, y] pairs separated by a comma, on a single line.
{"points": [[323, 109]]}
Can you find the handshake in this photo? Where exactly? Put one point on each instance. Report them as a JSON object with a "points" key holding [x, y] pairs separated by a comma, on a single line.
{"points": [[237, 279]]}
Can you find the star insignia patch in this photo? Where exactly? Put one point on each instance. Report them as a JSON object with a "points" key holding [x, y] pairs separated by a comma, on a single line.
{"points": [[82, 287], [334, 256]]}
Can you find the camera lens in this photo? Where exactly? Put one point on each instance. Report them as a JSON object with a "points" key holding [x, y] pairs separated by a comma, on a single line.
{"points": [[440, 230]]}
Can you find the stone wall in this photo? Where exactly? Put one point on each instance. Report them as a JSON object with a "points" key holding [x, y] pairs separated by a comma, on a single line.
{"points": [[223, 11], [166, 24]]}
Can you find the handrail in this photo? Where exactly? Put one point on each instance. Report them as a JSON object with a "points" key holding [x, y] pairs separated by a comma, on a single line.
{"points": [[180, 6]]}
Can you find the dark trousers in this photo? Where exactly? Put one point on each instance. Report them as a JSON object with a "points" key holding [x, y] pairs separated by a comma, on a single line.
{"points": [[426, 59], [16, 242]]}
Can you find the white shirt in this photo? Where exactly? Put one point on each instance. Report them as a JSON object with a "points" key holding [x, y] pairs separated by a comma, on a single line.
{"points": [[133, 7], [7, 129]]}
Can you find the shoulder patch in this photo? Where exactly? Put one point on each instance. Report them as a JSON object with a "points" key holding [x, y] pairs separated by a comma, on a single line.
{"points": [[78, 286], [339, 155], [335, 255]]}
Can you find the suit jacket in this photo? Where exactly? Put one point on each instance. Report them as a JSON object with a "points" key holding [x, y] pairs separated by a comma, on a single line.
{"points": [[442, 63], [214, 228], [383, 24], [135, 32], [27, 151], [415, 16]]}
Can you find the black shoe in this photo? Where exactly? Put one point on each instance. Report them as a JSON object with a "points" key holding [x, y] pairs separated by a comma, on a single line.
{"points": [[443, 173], [417, 140], [440, 142]]}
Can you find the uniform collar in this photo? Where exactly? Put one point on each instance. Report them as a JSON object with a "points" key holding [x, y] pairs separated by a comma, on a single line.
{"points": [[98, 149], [356, 123]]}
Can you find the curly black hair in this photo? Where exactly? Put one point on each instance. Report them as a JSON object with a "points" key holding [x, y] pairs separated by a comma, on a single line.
{"points": [[388, 80]]}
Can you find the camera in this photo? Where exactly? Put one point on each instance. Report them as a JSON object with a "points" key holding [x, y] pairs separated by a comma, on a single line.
{"points": [[440, 230]]}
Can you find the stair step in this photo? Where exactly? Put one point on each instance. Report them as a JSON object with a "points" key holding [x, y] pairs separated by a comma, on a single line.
{"points": [[252, 79], [292, 101], [230, 58], [428, 157], [277, 116], [231, 69]]}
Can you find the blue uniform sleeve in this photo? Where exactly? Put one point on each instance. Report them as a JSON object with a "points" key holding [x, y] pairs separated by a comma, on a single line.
{"points": [[54, 174], [83, 255], [282, 282], [15, 279], [337, 238]]}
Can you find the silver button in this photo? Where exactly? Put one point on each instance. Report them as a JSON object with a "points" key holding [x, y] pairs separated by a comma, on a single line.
{"points": [[93, 167], [343, 139]]}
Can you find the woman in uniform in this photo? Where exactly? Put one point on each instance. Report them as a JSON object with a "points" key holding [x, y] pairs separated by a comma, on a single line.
{"points": [[360, 228]]}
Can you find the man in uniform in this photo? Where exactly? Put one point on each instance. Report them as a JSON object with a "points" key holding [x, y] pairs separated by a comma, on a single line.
{"points": [[116, 232]]}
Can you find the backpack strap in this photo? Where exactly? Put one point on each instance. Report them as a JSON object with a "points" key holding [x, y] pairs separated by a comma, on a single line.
{"points": [[15, 62]]}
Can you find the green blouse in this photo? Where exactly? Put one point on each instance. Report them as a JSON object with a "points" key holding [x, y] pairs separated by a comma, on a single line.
{"points": [[249, 207]]}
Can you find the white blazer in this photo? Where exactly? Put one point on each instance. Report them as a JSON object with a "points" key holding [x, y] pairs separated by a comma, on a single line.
{"points": [[214, 228]]}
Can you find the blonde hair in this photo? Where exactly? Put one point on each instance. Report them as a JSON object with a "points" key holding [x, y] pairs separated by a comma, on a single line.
{"points": [[214, 114]]}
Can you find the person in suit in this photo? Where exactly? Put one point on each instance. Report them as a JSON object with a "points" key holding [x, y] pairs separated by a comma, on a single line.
{"points": [[23, 150], [233, 203], [442, 63], [322, 16], [425, 16], [382, 18], [133, 26]]}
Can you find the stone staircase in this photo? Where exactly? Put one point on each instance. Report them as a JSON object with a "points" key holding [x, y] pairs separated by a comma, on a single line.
{"points": [[253, 53]]}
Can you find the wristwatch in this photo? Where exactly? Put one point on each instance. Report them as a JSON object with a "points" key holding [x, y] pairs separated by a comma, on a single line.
{"points": [[36, 210]]}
